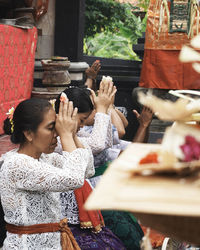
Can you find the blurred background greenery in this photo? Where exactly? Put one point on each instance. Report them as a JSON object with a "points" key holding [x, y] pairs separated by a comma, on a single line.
{"points": [[111, 28]]}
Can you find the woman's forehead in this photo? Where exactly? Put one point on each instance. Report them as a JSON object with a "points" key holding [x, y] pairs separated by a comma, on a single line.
{"points": [[49, 116]]}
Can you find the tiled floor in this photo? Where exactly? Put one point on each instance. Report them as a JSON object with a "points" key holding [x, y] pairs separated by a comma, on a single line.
{"points": [[5, 144]]}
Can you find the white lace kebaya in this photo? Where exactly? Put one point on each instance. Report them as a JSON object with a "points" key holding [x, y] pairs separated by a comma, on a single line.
{"points": [[101, 136], [30, 192], [96, 141]]}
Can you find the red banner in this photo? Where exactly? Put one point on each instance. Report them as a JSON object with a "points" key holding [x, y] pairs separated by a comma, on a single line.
{"points": [[17, 56]]}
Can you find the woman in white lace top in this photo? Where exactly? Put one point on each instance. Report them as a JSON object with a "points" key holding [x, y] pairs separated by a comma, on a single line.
{"points": [[32, 177], [100, 138]]}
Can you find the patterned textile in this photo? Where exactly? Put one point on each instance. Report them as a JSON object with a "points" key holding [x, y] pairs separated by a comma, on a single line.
{"points": [[163, 40], [105, 240], [29, 190], [180, 16], [124, 227], [17, 53], [161, 67]]}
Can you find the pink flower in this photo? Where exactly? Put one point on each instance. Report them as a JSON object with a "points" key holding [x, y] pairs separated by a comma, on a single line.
{"points": [[191, 149]]}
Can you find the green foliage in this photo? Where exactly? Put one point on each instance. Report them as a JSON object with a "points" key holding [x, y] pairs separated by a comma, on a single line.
{"points": [[105, 15], [111, 46], [109, 19]]}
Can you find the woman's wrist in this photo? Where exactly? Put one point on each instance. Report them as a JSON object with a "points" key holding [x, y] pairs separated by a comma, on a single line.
{"points": [[101, 109], [111, 107], [144, 125], [77, 142], [68, 143], [66, 135]]}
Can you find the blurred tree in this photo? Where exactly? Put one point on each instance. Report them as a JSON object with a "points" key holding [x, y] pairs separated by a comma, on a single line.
{"points": [[112, 19]]}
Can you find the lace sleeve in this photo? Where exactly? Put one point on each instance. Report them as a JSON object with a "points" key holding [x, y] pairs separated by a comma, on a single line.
{"points": [[101, 136], [55, 173], [90, 171]]}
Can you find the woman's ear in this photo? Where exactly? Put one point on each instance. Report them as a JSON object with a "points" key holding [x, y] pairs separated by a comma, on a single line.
{"points": [[28, 135]]}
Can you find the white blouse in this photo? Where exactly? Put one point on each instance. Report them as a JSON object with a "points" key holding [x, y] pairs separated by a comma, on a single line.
{"points": [[30, 191], [101, 136], [96, 141]]}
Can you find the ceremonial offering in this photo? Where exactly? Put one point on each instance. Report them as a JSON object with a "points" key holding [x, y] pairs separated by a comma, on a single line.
{"points": [[167, 203], [181, 110], [159, 183], [179, 153]]}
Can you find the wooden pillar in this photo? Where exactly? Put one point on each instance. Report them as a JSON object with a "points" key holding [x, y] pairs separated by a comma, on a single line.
{"points": [[69, 29]]}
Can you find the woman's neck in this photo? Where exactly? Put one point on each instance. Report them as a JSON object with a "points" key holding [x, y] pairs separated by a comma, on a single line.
{"points": [[27, 149]]}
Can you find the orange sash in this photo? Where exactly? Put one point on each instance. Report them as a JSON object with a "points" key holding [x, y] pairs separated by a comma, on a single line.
{"points": [[68, 241]]}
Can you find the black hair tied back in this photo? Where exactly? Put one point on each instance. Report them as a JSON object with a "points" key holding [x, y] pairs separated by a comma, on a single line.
{"points": [[27, 117], [80, 96], [7, 126]]}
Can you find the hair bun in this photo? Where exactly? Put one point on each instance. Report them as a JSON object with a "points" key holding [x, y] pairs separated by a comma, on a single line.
{"points": [[7, 126]]}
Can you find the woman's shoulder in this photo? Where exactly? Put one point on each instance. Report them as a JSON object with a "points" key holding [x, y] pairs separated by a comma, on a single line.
{"points": [[16, 158], [8, 155], [12, 159]]}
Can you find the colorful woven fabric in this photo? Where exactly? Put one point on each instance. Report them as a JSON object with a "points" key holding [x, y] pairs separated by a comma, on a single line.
{"points": [[17, 54], [92, 241], [180, 16], [161, 67], [163, 40]]}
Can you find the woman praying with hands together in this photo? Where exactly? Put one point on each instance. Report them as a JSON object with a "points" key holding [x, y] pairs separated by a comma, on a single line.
{"points": [[32, 176]]}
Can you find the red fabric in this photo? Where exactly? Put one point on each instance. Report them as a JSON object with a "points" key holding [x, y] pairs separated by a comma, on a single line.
{"points": [[17, 54], [155, 237], [94, 218], [162, 69]]}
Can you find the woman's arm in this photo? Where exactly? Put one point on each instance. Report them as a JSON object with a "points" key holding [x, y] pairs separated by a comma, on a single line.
{"points": [[144, 120], [123, 118], [91, 75], [78, 142], [90, 171], [117, 121], [101, 135], [53, 172]]}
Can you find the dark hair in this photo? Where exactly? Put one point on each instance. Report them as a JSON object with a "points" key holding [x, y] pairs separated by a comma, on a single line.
{"points": [[27, 117], [80, 98]]}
